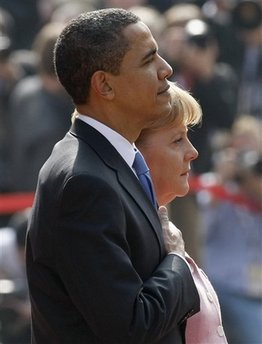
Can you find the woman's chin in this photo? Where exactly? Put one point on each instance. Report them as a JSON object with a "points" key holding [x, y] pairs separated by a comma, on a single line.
{"points": [[183, 192]]}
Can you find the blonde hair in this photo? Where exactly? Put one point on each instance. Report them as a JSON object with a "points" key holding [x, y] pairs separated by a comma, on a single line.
{"points": [[74, 115], [184, 109]]}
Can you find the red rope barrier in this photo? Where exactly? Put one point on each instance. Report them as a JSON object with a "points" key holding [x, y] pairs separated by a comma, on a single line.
{"points": [[12, 202], [219, 192]]}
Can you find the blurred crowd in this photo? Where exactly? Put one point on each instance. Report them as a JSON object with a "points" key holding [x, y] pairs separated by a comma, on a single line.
{"points": [[215, 50]]}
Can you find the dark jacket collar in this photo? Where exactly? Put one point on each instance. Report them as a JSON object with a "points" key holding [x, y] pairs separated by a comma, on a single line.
{"points": [[126, 177]]}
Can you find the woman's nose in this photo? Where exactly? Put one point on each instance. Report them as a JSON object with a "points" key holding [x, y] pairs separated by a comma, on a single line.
{"points": [[192, 152]]}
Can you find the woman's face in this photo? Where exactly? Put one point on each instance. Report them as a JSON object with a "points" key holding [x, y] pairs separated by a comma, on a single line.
{"points": [[168, 153]]}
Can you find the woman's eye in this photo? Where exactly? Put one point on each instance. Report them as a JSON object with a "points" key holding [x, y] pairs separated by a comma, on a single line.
{"points": [[178, 140]]}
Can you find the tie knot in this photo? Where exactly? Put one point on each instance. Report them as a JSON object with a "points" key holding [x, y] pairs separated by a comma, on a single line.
{"points": [[139, 164]]}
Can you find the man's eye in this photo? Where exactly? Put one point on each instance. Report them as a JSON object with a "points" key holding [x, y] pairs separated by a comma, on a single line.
{"points": [[149, 61]]}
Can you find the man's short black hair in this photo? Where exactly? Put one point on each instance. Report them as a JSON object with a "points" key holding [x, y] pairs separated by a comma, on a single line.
{"points": [[92, 41]]}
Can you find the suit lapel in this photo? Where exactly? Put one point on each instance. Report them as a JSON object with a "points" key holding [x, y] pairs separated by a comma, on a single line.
{"points": [[125, 176], [132, 185]]}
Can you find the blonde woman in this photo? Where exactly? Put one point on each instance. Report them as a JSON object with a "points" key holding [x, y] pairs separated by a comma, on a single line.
{"points": [[168, 152]]}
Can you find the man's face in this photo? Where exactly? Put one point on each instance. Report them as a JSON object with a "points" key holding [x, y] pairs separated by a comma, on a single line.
{"points": [[141, 88], [168, 153]]}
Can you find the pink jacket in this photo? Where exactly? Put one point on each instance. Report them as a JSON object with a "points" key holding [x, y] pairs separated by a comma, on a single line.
{"points": [[205, 327]]}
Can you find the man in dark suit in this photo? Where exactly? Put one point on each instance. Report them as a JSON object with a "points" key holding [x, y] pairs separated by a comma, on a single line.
{"points": [[97, 266]]}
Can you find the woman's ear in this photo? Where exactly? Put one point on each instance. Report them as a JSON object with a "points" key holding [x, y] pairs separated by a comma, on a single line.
{"points": [[100, 82]]}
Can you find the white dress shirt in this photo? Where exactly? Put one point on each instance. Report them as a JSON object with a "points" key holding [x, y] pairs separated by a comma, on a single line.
{"points": [[121, 144]]}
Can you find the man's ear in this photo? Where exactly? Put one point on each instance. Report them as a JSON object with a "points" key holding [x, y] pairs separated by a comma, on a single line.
{"points": [[100, 82]]}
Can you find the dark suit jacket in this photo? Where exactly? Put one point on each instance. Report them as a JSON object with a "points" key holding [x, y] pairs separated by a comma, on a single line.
{"points": [[96, 263]]}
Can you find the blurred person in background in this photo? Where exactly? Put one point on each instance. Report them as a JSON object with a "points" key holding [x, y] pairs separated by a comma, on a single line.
{"points": [[10, 73], [162, 5], [246, 134], [213, 84], [218, 14], [237, 25], [38, 114], [64, 10], [126, 4], [152, 18], [231, 215], [247, 18], [171, 43], [67, 10], [12, 70], [14, 301], [27, 21]]}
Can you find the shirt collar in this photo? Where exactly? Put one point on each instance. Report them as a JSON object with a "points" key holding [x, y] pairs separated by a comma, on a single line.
{"points": [[121, 144]]}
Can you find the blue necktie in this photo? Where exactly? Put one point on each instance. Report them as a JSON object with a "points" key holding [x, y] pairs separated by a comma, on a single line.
{"points": [[143, 174]]}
